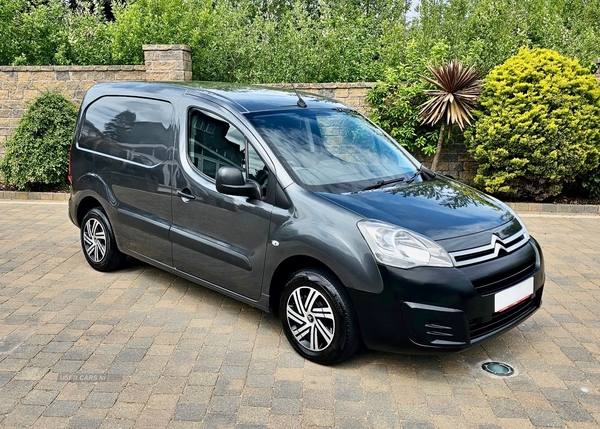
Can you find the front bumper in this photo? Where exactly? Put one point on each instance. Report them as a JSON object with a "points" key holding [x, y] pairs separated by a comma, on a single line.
{"points": [[429, 309]]}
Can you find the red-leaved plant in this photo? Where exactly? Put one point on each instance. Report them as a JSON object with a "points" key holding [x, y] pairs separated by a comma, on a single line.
{"points": [[457, 89]]}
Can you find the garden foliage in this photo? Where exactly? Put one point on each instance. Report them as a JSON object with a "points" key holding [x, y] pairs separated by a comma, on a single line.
{"points": [[300, 40], [37, 153], [395, 102], [590, 181], [538, 125], [48, 32]]}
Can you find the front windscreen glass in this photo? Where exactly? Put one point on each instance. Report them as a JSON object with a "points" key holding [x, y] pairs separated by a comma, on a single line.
{"points": [[332, 150]]}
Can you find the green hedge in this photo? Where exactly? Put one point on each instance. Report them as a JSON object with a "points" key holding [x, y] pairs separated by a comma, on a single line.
{"points": [[538, 125], [37, 153], [279, 41]]}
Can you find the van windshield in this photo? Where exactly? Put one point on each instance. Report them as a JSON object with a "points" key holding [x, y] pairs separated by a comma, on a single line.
{"points": [[332, 150]]}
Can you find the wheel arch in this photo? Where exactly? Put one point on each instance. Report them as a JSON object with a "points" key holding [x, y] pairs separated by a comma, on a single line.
{"points": [[86, 204], [285, 270]]}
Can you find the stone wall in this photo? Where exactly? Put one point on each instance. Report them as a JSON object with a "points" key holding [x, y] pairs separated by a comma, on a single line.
{"points": [[456, 161], [171, 63], [352, 94], [19, 85]]}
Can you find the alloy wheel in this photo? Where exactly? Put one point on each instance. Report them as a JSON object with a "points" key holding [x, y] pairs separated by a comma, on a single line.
{"points": [[310, 318], [94, 237]]}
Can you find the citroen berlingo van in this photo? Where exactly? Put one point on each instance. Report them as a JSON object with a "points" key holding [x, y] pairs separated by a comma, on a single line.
{"points": [[298, 205]]}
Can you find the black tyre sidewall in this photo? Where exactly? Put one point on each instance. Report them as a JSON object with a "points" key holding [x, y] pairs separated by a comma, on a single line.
{"points": [[113, 258], [346, 334]]}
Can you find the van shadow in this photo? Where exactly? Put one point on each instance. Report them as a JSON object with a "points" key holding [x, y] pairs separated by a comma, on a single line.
{"points": [[464, 363]]}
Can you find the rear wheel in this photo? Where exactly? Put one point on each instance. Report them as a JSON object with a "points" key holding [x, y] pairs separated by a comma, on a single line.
{"points": [[98, 242], [318, 317]]}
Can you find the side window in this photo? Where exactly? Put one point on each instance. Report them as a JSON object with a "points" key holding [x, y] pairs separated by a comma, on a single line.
{"points": [[134, 129], [214, 143]]}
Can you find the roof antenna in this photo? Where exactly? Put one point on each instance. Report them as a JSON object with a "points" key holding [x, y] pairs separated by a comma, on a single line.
{"points": [[301, 102]]}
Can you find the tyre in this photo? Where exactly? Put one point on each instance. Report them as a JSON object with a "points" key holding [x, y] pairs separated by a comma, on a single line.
{"points": [[318, 318], [98, 242]]}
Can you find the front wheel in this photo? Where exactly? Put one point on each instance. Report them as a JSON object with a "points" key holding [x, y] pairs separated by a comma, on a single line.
{"points": [[318, 318], [98, 242]]}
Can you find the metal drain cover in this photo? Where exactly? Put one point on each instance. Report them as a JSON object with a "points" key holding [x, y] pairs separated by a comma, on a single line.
{"points": [[498, 368]]}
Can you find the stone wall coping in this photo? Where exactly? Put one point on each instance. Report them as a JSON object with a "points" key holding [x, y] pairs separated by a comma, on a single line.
{"points": [[166, 48], [554, 208], [329, 85], [541, 208], [72, 68], [34, 196]]}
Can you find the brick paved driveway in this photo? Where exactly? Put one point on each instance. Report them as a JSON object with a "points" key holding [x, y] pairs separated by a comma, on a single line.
{"points": [[178, 355]]}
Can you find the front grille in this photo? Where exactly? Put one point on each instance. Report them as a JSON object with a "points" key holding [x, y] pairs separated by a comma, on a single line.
{"points": [[479, 330], [495, 248], [499, 281]]}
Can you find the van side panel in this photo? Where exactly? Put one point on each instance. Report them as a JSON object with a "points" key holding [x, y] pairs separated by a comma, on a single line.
{"points": [[316, 228], [125, 145]]}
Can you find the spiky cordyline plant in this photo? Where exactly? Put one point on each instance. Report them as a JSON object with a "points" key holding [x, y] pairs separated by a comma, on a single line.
{"points": [[456, 95]]}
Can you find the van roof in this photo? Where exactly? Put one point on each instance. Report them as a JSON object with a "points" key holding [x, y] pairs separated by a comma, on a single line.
{"points": [[243, 98]]}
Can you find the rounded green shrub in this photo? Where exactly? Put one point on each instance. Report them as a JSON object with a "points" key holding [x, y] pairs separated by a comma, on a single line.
{"points": [[538, 125], [37, 153]]}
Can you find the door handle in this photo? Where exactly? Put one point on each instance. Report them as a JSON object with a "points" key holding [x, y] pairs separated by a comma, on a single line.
{"points": [[186, 195]]}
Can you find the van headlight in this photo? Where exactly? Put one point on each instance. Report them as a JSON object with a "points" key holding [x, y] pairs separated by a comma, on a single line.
{"points": [[401, 248]]}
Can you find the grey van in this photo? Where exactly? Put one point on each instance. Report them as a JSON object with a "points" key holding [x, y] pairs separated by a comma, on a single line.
{"points": [[300, 206]]}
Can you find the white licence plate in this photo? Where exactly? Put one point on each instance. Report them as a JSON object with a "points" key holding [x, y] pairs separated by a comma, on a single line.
{"points": [[513, 295]]}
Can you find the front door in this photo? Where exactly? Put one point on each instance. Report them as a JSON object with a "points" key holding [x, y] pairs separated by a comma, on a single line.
{"points": [[218, 238]]}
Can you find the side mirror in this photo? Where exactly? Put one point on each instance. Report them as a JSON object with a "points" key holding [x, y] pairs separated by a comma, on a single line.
{"points": [[230, 181]]}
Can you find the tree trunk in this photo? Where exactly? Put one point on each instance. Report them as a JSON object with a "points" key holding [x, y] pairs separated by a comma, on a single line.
{"points": [[438, 149]]}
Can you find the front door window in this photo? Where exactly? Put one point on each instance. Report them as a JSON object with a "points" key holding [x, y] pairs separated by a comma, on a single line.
{"points": [[215, 143]]}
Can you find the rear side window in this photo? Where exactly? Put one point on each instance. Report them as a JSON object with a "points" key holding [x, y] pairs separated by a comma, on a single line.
{"points": [[134, 129]]}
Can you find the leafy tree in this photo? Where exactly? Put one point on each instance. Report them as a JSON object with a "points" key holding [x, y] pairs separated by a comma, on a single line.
{"points": [[37, 153], [9, 12], [40, 31], [89, 40], [97, 6], [120, 127], [48, 32], [302, 40], [298, 43], [487, 32], [538, 125], [142, 22]]}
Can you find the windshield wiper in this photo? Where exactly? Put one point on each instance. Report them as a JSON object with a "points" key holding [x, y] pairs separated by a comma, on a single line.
{"points": [[383, 183], [414, 176]]}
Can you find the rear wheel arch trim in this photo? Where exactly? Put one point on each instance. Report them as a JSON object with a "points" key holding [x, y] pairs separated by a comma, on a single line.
{"points": [[86, 204]]}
